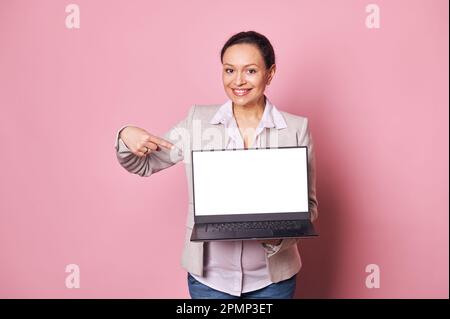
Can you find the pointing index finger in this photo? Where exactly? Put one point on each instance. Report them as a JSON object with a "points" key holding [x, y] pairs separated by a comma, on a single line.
{"points": [[162, 142]]}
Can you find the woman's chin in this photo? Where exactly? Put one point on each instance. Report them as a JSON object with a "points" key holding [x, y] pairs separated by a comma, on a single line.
{"points": [[243, 100]]}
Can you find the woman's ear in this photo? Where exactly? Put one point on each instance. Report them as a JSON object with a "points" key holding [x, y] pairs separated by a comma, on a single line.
{"points": [[271, 73]]}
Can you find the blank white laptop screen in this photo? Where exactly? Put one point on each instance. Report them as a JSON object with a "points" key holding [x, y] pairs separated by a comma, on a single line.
{"points": [[253, 181]]}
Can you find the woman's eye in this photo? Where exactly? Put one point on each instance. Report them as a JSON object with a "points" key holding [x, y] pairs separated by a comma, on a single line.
{"points": [[252, 71], [229, 70]]}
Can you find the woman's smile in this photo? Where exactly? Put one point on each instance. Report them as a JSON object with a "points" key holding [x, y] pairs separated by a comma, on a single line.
{"points": [[241, 92]]}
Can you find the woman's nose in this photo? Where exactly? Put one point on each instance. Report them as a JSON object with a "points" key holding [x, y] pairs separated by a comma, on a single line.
{"points": [[239, 79]]}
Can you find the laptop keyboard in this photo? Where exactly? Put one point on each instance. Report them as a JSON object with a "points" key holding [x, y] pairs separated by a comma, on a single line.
{"points": [[242, 226]]}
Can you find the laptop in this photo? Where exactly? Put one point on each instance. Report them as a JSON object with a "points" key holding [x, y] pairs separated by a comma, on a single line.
{"points": [[245, 194]]}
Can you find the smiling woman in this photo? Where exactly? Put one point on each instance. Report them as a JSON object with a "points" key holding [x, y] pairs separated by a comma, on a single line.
{"points": [[231, 269], [248, 62]]}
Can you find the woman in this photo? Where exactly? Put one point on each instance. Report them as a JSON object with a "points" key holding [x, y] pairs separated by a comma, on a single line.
{"points": [[231, 269]]}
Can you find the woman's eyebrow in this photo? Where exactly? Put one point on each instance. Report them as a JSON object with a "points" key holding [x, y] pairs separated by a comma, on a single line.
{"points": [[244, 65]]}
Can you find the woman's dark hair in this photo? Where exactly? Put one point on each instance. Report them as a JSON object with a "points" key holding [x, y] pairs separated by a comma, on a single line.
{"points": [[251, 37]]}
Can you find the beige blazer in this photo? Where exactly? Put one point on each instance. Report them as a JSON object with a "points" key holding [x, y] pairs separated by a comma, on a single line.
{"points": [[195, 132]]}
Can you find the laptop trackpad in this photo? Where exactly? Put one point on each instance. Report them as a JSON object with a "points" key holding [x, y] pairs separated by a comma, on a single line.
{"points": [[256, 233], [286, 233]]}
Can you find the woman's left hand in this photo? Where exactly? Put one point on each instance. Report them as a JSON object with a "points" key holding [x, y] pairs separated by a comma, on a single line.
{"points": [[274, 242]]}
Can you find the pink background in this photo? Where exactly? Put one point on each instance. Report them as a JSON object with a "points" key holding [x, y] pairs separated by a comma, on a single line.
{"points": [[377, 100]]}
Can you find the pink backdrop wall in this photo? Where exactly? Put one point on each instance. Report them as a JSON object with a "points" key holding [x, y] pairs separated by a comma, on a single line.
{"points": [[377, 100]]}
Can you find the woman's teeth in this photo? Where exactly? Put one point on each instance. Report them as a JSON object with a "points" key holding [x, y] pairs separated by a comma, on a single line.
{"points": [[241, 92]]}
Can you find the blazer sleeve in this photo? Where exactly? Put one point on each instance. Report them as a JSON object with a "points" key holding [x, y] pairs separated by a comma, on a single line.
{"points": [[159, 160], [304, 138]]}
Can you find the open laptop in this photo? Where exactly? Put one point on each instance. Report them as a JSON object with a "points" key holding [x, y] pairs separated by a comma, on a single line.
{"points": [[243, 194]]}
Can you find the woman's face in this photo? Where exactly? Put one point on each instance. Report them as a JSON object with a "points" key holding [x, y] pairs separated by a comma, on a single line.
{"points": [[244, 74]]}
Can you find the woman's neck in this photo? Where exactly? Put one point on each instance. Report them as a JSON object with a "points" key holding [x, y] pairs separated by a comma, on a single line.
{"points": [[250, 112]]}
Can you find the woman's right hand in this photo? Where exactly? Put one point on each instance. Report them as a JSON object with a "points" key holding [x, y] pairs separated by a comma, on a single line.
{"points": [[142, 143]]}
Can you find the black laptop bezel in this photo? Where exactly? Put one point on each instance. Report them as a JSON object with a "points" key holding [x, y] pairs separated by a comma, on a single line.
{"points": [[236, 217]]}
